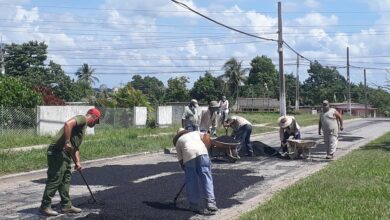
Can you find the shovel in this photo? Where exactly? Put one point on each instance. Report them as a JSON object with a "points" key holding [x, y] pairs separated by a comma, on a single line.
{"points": [[178, 194], [85, 181]]}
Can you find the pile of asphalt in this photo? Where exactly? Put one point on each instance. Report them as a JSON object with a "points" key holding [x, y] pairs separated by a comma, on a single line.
{"points": [[227, 139]]}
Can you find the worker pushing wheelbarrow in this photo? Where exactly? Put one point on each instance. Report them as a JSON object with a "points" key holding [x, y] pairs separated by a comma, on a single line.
{"points": [[292, 145], [239, 141]]}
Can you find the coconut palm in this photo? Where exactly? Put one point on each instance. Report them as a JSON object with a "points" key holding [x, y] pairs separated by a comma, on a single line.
{"points": [[235, 75], [85, 74]]}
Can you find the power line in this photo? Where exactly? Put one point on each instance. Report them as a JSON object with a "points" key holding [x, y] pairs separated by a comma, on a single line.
{"points": [[211, 12], [219, 23]]}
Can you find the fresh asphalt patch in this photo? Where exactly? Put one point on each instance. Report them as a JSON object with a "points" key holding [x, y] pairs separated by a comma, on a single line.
{"points": [[151, 198]]}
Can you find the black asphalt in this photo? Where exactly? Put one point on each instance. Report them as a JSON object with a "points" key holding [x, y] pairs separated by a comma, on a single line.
{"points": [[152, 199]]}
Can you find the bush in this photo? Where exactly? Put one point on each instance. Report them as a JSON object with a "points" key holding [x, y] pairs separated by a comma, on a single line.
{"points": [[14, 93]]}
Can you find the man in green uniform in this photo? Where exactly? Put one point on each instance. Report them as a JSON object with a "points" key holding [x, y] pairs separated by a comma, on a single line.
{"points": [[61, 152]]}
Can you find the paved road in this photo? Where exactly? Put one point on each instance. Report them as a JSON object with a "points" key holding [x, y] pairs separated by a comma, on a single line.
{"points": [[143, 186]]}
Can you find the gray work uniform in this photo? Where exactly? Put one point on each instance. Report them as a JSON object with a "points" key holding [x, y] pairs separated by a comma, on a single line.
{"points": [[330, 128]]}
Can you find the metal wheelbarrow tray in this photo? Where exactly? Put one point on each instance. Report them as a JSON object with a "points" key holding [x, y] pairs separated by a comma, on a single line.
{"points": [[295, 147], [225, 146]]}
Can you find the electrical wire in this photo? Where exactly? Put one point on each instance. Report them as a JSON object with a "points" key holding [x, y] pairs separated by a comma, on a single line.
{"points": [[219, 23]]}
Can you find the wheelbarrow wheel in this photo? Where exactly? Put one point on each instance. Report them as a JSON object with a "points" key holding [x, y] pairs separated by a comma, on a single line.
{"points": [[232, 159]]}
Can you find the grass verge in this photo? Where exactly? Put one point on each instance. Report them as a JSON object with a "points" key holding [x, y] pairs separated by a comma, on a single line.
{"points": [[93, 149], [354, 187]]}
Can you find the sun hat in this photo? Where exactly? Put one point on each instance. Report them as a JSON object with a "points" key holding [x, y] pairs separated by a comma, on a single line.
{"points": [[284, 121], [179, 133], [194, 101]]}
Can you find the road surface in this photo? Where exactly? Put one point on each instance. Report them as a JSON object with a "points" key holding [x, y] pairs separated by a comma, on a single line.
{"points": [[143, 186]]}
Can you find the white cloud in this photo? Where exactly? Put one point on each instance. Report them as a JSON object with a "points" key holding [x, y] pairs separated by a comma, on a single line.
{"points": [[317, 19], [191, 48], [26, 15], [312, 3]]}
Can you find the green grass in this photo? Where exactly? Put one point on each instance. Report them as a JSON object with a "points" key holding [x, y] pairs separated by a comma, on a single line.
{"points": [[354, 187], [22, 139], [92, 149]]}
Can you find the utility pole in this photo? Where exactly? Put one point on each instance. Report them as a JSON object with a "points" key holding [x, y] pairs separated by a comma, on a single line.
{"points": [[349, 84], [2, 50], [365, 95], [282, 91], [297, 86]]}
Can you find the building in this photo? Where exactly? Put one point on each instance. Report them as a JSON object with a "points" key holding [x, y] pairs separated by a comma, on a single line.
{"points": [[257, 104], [357, 109]]}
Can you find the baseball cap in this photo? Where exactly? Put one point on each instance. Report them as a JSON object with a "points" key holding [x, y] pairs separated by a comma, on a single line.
{"points": [[96, 112], [325, 103]]}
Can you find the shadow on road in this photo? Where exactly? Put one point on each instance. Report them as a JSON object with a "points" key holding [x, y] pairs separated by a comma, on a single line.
{"points": [[134, 196]]}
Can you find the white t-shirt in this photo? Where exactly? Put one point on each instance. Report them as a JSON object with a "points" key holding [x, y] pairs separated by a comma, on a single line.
{"points": [[190, 146], [239, 122], [224, 105]]}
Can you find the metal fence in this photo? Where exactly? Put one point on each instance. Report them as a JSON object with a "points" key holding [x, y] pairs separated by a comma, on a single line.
{"points": [[24, 120], [17, 120]]}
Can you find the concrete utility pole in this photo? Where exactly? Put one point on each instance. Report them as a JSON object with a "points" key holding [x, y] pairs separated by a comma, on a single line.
{"points": [[2, 50], [282, 91], [349, 84], [297, 87], [365, 95]]}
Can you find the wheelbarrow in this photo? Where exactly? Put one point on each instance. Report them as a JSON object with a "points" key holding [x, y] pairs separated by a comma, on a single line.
{"points": [[224, 146], [297, 147]]}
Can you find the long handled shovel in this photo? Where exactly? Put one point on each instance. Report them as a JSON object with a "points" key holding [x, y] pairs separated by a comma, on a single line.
{"points": [[178, 194], [85, 181]]}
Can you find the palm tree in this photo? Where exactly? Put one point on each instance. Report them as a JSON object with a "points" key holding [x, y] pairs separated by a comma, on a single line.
{"points": [[235, 75], [85, 74]]}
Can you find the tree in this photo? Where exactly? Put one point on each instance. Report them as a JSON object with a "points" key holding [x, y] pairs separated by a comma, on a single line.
{"points": [[25, 59], [152, 87], [85, 74], [235, 76], [14, 93], [207, 88], [177, 90], [323, 83], [264, 77], [291, 85], [130, 97], [27, 62]]}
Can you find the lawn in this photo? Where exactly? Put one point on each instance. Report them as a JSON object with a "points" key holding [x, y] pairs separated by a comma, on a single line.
{"points": [[354, 187]]}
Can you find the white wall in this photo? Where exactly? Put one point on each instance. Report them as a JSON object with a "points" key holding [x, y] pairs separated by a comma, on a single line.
{"points": [[50, 119], [164, 115], [140, 116]]}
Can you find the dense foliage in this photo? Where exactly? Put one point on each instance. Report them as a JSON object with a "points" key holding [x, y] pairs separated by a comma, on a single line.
{"points": [[15, 93], [26, 62]]}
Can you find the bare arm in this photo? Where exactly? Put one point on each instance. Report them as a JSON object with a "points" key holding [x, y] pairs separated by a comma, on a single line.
{"points": [[77, 165], [339, 119], [68, 127]]}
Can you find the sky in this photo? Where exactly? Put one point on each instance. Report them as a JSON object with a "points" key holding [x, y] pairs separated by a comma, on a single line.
{"points": [[120, 39]]}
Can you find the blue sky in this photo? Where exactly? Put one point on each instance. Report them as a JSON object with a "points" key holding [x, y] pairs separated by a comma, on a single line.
{"points": [[158, 38]]}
